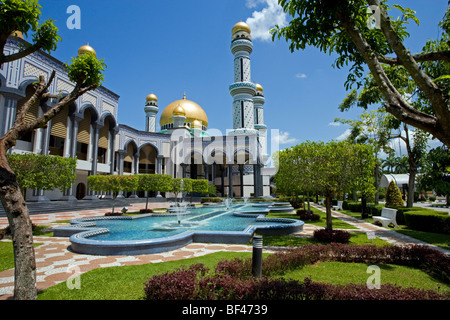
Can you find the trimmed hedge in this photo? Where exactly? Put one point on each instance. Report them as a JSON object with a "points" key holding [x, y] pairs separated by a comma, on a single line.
{"points": [[307, 215], [211, 199], [332, 236], [233, 280], [424, 220]]}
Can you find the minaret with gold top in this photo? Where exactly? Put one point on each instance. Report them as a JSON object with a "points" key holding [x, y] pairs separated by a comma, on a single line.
{"points": [[242, 90], [151, 109]]}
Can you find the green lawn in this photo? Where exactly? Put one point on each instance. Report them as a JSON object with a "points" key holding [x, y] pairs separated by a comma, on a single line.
{"points": [[344, 273], [357, 238], [337, 224], [438, 239], [7, 255], [126, 283]]}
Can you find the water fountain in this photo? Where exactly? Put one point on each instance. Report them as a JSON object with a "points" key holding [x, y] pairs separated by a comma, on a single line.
{"points": [[228, 202], [179, 208]]}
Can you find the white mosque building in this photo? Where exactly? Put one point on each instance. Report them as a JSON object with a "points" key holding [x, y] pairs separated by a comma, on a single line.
{"points": [[182, 147]]}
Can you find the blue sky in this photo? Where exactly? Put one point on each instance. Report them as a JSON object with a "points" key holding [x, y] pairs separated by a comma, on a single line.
{"points": [[174, 46]]}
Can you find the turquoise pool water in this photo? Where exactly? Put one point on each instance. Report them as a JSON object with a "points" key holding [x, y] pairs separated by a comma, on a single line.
{"points": [[152, 227]]}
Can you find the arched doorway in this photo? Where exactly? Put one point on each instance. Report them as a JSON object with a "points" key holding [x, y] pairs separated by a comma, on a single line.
{"points": [[147, 159], [129, 158], [84, 134]]}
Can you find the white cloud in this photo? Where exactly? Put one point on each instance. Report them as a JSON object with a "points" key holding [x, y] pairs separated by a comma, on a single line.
{"points": [[344, 135], [301, 75], [262, 21], [335, 124], [284, 138]]}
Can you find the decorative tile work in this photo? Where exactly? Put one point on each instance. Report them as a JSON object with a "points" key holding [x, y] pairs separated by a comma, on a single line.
{"points": [[32, 70], [62, 85], [87, 97], [108, 107]]}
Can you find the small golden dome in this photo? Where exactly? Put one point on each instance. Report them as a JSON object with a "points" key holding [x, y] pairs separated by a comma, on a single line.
{"points": [[259, 87], [240, 26], [196, 124], [192, 111], [179, 111], [17, 34], [87, 49], [152, 97]]}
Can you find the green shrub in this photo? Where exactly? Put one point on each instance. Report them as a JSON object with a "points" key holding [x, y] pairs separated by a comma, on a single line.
{"points": [[394, 196], [375, 209], [428, 220], [402, 210], [355, 206]]}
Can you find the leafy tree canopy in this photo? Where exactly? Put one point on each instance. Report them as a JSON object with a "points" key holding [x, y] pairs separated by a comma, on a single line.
{"points": [[24, 16], [37, 171]]}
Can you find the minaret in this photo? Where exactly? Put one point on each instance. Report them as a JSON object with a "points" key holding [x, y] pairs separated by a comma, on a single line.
{"points": [[151, 109], [258, 101], [242, 90]]}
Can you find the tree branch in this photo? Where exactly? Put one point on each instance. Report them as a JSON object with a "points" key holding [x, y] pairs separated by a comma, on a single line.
{"points": [[38, 95], [395, 103], [421, 57], [18, 55]]}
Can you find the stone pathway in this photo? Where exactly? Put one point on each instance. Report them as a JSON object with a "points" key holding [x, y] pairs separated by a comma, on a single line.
{"points": [[56, 263]]}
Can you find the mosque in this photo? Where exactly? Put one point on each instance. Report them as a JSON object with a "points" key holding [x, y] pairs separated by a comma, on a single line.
{"points": [[182, 147]]}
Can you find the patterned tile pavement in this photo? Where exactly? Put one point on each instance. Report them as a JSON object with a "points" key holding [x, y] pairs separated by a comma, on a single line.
{"points": [[56, 263]]}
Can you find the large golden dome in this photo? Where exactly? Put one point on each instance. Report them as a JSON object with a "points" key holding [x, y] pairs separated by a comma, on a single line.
{"points": [[191, 109]]}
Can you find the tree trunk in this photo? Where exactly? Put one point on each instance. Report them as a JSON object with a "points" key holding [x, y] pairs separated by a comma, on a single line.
{"points": [[411, 182], [309, 206], [377, 183], [328, 196], [22, 236], [364, 213], [146, 202]]}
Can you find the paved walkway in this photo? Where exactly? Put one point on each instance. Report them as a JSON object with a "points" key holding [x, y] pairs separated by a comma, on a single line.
{"points": [[56, 263]]}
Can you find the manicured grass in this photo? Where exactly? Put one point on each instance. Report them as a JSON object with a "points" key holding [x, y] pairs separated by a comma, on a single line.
{"points": [[344, 273], [357, 215], [322, 222], [438, 239], [7, 255], [125, 283], [357, 238]]}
